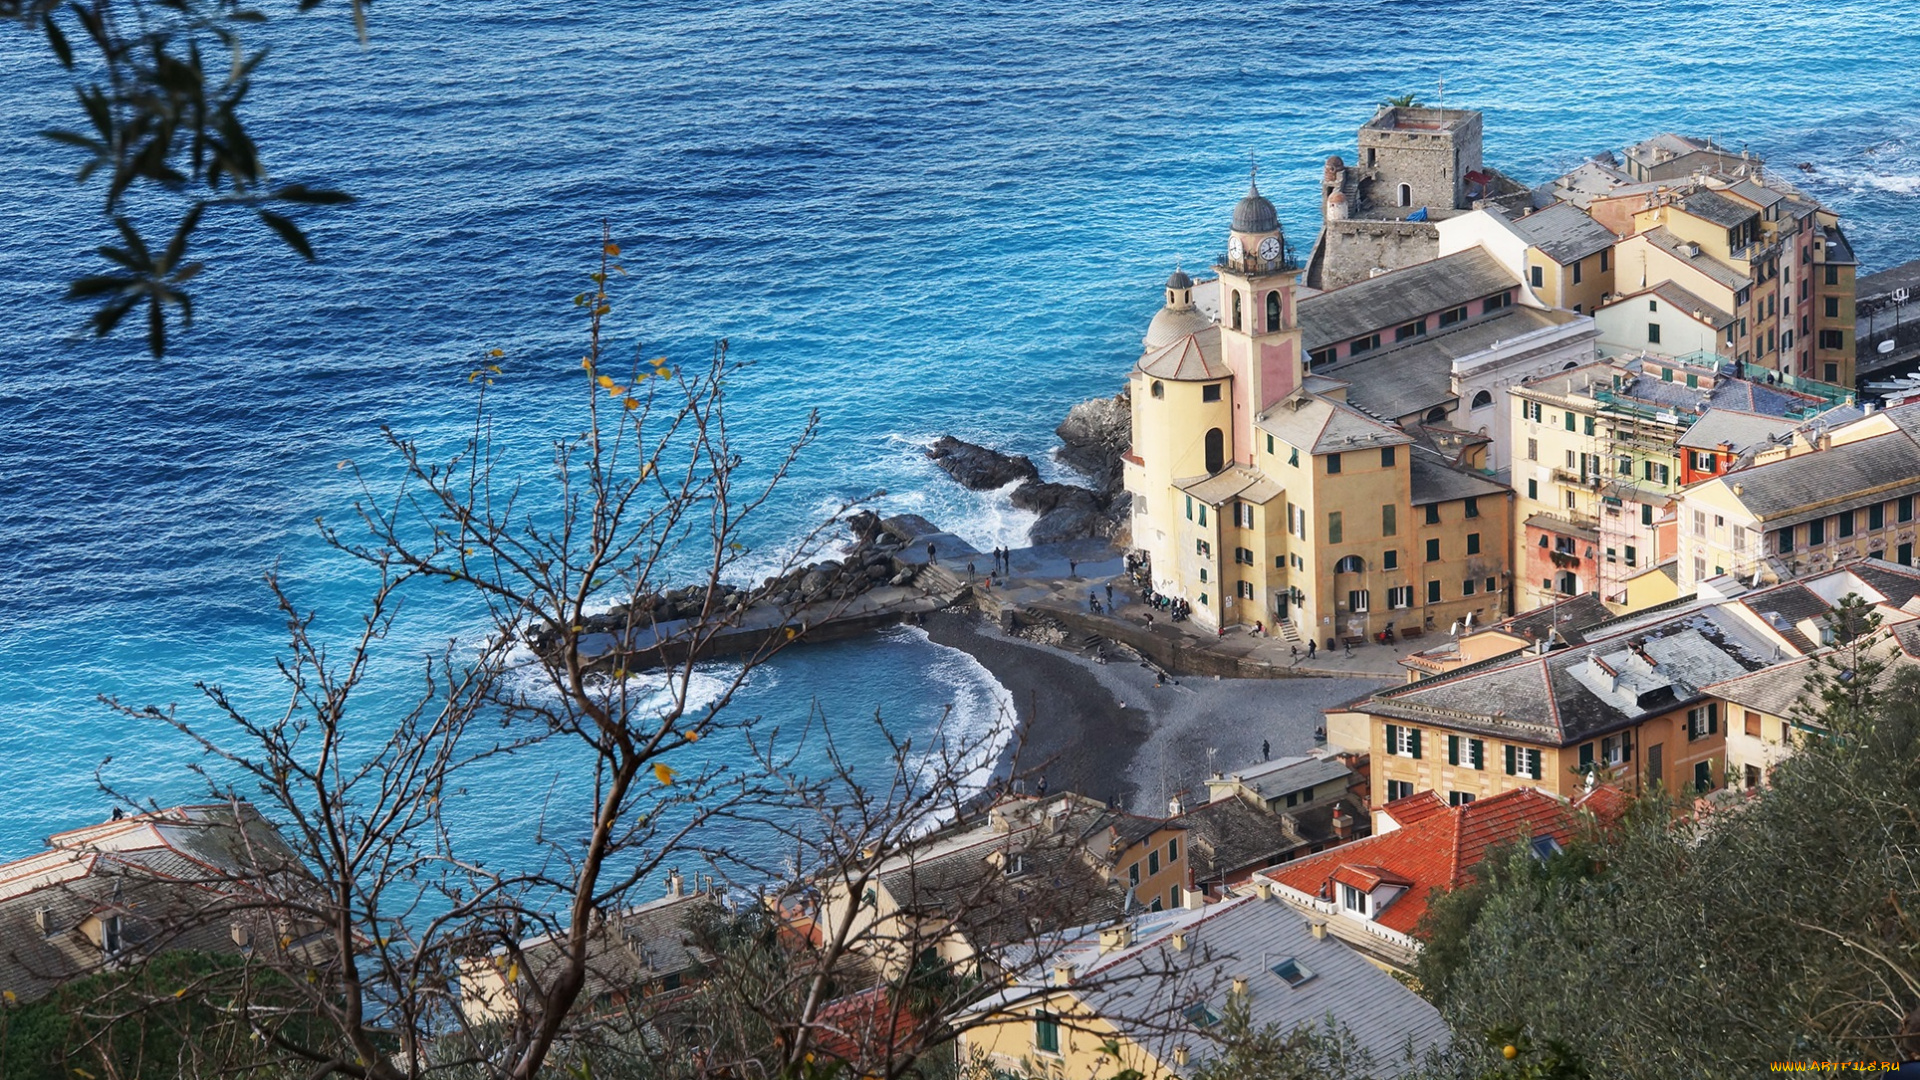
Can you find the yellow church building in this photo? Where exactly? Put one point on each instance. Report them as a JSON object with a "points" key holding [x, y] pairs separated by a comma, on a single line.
{"points": [[1260, 494]]}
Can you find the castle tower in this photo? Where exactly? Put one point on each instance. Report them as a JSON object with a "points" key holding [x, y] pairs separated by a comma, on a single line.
{"points": [[1259, 330]]}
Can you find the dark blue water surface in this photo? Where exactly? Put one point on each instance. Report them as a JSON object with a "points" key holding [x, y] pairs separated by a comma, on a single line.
{"points": [[916, 217]]}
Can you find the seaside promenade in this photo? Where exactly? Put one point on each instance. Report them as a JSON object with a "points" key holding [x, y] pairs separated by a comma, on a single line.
{"points": [[1054, 582]]}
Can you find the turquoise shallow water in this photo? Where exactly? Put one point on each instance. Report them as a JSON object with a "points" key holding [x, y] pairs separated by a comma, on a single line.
{"points": [[916, 217]]}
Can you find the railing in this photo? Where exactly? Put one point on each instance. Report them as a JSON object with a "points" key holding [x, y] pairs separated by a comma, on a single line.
{"points": [[1251, 263], [1577, 479], [1833, 395]]}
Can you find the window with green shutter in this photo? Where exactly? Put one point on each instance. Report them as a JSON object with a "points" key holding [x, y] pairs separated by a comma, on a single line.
{"points": [[1569, 419], [1415, 744], [1586, 755], [1477, 753], [1046, 1033], [1453, 749], [1509, 751]]}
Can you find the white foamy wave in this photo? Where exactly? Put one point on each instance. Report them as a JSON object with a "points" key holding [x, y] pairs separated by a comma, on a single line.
{"points": [[976, 732], [984, 519]]}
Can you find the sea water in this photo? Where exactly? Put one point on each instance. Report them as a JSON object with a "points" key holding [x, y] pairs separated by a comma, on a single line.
{"points": [[916, 218]]}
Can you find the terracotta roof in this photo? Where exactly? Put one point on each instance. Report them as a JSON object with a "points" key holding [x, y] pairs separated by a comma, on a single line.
{"points": [[1415, 807], [1435, 852], [1369, 878]]}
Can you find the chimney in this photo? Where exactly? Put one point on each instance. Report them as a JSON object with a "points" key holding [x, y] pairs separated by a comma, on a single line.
{"points": [[242, 936], [675, 883], [1063, 975], [1265, 890], [43, 918], [1116, 937], [1342, 824], [1174, 808], [1180, 1055], [1239, 986], [1319, 927], [1179, 942]]}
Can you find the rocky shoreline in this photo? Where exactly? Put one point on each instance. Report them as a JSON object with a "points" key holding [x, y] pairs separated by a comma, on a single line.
{"points": [[1093, 437]]}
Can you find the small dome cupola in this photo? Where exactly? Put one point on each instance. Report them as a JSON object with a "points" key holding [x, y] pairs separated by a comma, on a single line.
{"points": [[1179, 317], [1179, 290]]}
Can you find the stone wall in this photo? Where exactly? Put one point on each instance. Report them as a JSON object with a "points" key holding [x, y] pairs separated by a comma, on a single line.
{"points": [[1351, 249]]}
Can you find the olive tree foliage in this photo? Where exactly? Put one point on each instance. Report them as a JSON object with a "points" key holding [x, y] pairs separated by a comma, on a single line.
{"points": [[160, 132], [1778, 927], [651, 492]]}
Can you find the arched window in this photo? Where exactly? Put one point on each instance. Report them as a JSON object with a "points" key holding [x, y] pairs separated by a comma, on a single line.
{"points": [[1570, 365], [1273, 312], [1352, 564], [1437, 415], [1158, 390], [1482, 399], [1406, 195], [1216, 450], [1236, 309]]}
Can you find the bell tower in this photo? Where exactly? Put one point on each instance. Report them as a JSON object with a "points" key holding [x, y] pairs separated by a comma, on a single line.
{"points": [[1259, 328]]}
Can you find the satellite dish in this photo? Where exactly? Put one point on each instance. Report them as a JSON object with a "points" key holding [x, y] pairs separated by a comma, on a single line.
{"points": [[1885, 346]]}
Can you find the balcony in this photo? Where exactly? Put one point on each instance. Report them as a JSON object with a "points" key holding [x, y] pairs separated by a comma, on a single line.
{"points": [[1575, 479]]}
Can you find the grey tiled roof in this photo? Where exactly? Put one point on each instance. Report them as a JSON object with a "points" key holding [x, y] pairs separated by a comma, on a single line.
{"points": [[1387, 301], [1720, 272], [1571, 695], [1563, 232], [1245, 938], [1193, 357], [1405, 380], [1714, 207], [1325, 426], [1818, 483], [1743, 430], [1569, 617], [181, 878], [1680, 298], [1433, 480], [1283, 776]]}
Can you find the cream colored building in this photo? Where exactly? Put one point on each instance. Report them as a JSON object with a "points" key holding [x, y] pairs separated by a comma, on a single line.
{"points": [[1261, 495], [1828, 496]]}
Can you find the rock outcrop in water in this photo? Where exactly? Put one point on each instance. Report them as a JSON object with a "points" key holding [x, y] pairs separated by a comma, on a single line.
{"points": [[1095, 434], [978, 468]]}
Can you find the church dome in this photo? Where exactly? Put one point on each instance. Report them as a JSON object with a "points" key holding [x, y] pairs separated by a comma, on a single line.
{"points": [[1173, 322], [1254, 214], [1179, 280], [1334, 167]]}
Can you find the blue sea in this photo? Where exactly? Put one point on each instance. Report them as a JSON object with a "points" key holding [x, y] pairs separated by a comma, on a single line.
{"points": [[915, 217]]}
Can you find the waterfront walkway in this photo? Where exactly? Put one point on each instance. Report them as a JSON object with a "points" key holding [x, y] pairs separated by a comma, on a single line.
{"points": [[1044, 584]]}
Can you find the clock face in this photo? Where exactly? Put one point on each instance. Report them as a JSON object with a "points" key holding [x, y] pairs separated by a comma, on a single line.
{"points": [[1235, 249], [1269, 249]]}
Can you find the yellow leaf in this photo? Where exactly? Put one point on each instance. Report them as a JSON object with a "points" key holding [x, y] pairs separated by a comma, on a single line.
{"points": [[497, 352], [663, 773], [513, 972], [605, 381], [587, 362], [83, 1073], [692, 736], [616, 391], [633, 403], [666, 373], [612, 249], [657, 361], [472, 375], [790, 633], [182, 992], [9, 995]]}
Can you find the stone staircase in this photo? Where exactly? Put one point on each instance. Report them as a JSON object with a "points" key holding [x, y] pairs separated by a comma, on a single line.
{"points": [[1288, 631]]}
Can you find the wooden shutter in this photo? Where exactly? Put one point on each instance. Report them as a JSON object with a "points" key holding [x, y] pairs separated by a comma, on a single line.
{"points": [[1586, 754], [1414, 740], [1477, 753], [1713, 717], [1393, 738], [1453, 749], [1509, 750]]}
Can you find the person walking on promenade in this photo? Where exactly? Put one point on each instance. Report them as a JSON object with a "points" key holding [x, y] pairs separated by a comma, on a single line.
{"points": [[969, 571], [1073, 568], [930, 556], [1294, 651], [1347, 647], [1109, 594], [1311, 644], [1266, 751]]}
